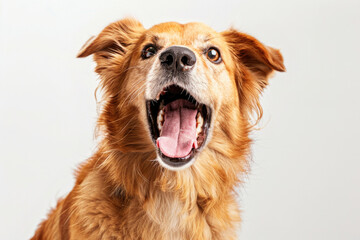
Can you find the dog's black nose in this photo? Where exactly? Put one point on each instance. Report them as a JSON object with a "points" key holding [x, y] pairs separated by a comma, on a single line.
{"points": [[177, 58]]}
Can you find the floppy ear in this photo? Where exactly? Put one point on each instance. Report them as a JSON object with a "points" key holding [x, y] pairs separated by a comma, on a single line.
{"points": [[253, 63], [115, 40]]}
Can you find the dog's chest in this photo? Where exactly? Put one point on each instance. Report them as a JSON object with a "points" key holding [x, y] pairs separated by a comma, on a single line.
{"points": [[166, 210], [176, 219]]}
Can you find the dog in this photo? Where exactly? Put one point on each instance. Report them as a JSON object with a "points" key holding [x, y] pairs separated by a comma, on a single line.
{"points": [[178, 104]]}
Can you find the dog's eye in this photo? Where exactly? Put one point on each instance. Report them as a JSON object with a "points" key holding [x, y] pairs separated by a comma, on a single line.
{"points": [[213, 55], [148, 51]]}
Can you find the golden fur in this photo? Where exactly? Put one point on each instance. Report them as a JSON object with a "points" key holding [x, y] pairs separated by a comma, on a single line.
{"points": [[121, 192]]}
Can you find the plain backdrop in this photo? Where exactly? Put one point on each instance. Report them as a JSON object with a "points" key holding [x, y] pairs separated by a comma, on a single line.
{"points": [[305, 174]]}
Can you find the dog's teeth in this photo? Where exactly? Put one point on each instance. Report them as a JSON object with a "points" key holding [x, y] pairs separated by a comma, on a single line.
{"points": [[160, 94], [158, 97], [199, 120], [160, 119], [199, 124]]}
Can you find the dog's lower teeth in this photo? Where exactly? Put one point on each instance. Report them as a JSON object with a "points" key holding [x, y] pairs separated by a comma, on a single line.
{"points": [[199, 124], [160, 119]]}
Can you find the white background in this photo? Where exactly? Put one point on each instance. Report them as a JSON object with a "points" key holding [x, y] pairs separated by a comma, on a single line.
{"points": [[306, 159]]}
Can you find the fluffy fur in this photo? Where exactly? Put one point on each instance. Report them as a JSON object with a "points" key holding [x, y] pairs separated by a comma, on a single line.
{"points": [[121, 192]]}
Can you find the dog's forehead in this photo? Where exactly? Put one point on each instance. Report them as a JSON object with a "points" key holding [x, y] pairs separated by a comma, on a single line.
{"points": [[173, 33]]}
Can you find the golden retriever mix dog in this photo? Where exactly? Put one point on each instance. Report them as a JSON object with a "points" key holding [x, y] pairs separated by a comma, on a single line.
{"points": [[176, 113]]}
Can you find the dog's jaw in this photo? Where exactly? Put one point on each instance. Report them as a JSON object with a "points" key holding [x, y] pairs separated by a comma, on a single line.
{"points": [[179, 127], [171, 168]]}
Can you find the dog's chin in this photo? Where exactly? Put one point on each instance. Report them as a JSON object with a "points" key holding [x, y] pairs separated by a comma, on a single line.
{"points": [[179, 127], [174, 167]]}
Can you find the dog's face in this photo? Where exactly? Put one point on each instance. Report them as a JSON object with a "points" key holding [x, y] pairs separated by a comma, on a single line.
{"points": [[181, 90], [186, 79]]}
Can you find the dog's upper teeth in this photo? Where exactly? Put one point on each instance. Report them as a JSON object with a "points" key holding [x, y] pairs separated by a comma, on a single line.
{"points": [[160, 119], [199, 123]]}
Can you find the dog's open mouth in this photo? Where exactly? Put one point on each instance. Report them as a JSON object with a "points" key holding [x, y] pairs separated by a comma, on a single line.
{"points": [[179, 125]]}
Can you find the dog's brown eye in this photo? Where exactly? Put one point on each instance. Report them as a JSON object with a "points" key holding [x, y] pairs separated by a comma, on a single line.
{"points": [[148, 52], [213, 55]]}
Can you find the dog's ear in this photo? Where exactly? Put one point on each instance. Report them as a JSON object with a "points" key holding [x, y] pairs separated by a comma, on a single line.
{"points": [[253, 65], [114, 40]]}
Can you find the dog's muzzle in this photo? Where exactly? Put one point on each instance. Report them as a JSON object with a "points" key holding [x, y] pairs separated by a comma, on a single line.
{"points": [[179, 122]]}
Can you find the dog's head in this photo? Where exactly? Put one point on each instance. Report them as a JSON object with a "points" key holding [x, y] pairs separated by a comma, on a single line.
{"points": [[180, 90]]}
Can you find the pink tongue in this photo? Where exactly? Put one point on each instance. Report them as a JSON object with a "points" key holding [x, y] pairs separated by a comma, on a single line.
{"points": [[179, 129]]}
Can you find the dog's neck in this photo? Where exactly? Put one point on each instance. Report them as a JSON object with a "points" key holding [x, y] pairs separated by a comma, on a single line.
{"points": [[168, 201]]}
